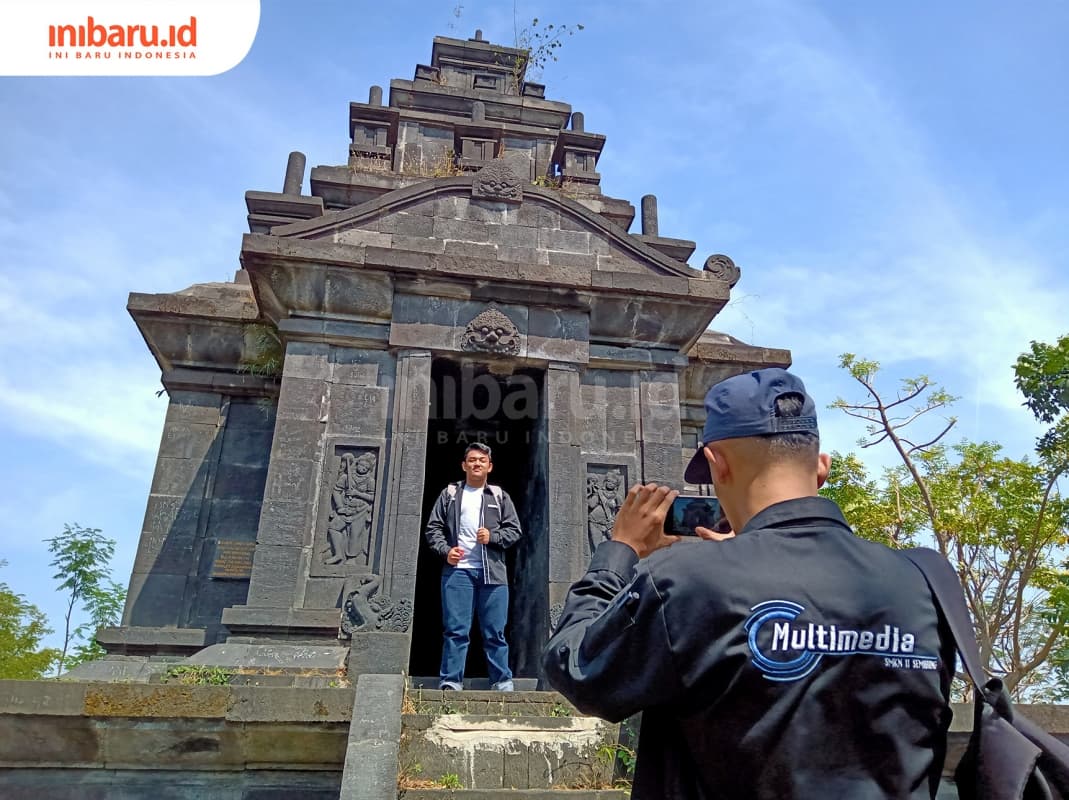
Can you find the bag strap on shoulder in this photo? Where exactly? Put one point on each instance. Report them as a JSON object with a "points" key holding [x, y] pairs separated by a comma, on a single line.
{"points": [[946, 590]]}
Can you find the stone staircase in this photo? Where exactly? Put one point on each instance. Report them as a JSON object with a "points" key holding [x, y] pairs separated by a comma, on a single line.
{"points": [[478, 745]]}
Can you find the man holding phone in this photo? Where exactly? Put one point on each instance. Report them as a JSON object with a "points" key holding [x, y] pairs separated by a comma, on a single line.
{"points": [[793, 660]]}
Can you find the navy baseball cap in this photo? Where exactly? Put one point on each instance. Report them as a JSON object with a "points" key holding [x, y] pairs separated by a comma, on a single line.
{"points": [[745, 405]]}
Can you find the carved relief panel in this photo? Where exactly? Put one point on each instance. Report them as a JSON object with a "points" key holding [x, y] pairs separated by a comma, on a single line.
{"points": [[347, 510], [606, 487]]}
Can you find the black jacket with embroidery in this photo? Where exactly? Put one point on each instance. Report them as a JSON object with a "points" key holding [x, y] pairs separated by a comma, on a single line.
{"points": [[793, 661], [498, 515]]}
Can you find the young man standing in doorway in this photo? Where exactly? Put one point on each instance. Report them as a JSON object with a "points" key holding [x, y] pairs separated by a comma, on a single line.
{"points": [[471, 526]]}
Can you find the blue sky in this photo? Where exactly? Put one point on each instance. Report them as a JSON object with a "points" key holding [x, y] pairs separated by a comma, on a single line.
{"points": [[891, 178]]}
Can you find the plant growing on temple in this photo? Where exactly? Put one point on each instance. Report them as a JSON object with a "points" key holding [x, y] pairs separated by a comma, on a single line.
{"points": [[541, 43], [22, 626], [82, 559], [263, 351], [1001, 522]]}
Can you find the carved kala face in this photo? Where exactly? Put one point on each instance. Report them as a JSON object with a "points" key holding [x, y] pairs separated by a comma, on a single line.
{"points": [[491, 331]]}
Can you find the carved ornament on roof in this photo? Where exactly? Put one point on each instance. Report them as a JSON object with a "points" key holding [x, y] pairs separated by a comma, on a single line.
{"points": [[497, 182], [724, 268]]}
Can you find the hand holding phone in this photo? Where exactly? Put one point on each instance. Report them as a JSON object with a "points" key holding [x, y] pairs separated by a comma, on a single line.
{"points": [[688, 513]]}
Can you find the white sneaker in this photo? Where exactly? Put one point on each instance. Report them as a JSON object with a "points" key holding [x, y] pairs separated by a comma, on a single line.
{"points": [[504, 686]]}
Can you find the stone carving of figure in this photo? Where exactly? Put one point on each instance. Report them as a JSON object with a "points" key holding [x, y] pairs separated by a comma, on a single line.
{"points": [[604, 496], [363, 608], [492, 332], [351, 502]]}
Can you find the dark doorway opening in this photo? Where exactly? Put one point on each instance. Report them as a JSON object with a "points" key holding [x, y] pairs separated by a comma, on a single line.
{"points": [[469, 403]]}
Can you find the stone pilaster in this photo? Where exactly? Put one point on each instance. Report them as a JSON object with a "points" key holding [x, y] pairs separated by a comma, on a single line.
{"points": [[660, 429], [564, 475]]}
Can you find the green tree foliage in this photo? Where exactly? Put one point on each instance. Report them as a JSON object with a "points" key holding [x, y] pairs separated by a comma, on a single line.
{"points": [[1042, 376], [882, 510], [82, 559], [1001, 522], [22, 626]]}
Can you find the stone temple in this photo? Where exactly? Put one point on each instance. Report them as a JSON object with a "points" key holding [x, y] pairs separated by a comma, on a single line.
{"points": [[460, 278]]}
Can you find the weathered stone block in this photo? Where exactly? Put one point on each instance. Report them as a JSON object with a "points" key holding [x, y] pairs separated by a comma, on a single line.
{"points": [[471, 250], [297, 438], [359, 410], [275, 572], [301, 398], [514, 236], [569, 241], [233, 480], [480, 210], [183, 440], [461, 229], [284, 522], [179, 477], [360, 237], [247, 413], [534, 215], [172, 743], [406, 224], [565, 259], [358, 292], [372, 751], [282, 704], [418, 244], [522, 255], [41, 741], [315, 365], [154, 598], [355, 373], [290, 479], [250, 447], [194, 407], [319, 745], [40, 698]]}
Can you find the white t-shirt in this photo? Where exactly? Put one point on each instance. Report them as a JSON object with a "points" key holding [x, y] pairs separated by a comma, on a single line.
{"points": [[471, 508]]}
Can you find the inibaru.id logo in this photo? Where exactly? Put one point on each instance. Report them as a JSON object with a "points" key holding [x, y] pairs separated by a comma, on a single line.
{"points": [[127, 41]]}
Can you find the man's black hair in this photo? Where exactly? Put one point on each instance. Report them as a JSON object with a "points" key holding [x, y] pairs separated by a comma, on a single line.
{"points": [[479, 447], [797, 443]]}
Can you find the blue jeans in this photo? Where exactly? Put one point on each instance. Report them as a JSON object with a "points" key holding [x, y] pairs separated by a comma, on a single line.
{"points": [[464, 593]]}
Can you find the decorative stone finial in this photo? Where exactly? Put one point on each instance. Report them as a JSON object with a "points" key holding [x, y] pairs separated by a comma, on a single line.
{"points": [[724, 268], [649, 215], [294, 173], [497, 182], [375, 96], [577, 121], [478, 111]]}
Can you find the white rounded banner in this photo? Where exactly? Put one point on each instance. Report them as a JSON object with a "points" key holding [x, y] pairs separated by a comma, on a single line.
{"points": [[125, 37]]}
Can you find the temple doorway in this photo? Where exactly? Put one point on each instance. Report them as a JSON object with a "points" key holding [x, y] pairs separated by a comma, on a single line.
{"points": [[476, 402]]}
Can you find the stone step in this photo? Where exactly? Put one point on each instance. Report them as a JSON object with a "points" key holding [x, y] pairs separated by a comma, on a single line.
{"points": [[518, 794], [506, 751], [526, 703]]}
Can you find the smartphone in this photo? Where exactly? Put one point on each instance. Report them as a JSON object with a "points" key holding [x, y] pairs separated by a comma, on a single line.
{"points": [[688, 513]]}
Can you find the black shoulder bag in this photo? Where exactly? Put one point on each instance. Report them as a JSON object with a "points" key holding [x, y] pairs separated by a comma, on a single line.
{"points": [[1009, 757]]}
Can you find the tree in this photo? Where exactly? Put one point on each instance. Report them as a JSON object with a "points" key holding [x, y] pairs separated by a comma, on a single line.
{"points": [[82, 560], [22, 626], [1042, 376], [1001, 523]]}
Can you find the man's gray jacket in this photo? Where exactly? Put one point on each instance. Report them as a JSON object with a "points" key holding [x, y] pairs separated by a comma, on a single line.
{"points": [[498, 515]]}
